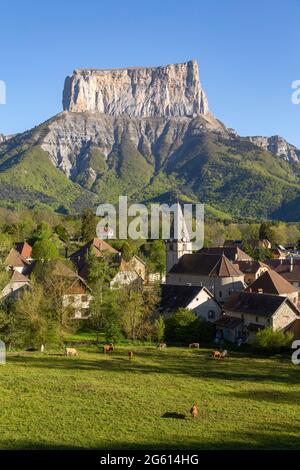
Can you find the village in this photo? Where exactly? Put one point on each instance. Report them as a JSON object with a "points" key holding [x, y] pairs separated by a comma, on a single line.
{"points": [[221, 285]]}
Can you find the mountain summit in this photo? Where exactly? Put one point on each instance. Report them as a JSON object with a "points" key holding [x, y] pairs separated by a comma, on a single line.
{"points": [[147, 133], [171, 90]]}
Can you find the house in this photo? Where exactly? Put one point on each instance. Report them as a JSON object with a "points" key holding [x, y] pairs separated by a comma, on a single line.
{"points": [[213, 271], [24, 249], [272, 283], [289, 269], [252, 243], [233, 253], [197, 299], [258, 311], [127, 275], [138, 265], [230, 329], [264, 244], [15, 286], [16, 262], [252, 270], [279, 253], [95, 247], [294, 328], [75, 291]]}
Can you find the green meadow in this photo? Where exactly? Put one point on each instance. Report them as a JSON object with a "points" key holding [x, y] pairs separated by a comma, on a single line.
{"points": [[98, 401]]}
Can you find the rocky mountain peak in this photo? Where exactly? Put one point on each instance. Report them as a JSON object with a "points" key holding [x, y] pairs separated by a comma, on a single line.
{"points": [[278, 146], [165, 91]]}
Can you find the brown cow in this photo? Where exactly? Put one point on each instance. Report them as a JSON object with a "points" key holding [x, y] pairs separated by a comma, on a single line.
{"points": [[194, 411], [71, 352], [216, 354], [130, 354], [108, 348], [194, 345]]}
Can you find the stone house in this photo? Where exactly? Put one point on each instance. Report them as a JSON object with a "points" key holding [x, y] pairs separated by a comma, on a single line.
{"points": [[270, 282], [258, 311], [252, 269], [289, 269]]}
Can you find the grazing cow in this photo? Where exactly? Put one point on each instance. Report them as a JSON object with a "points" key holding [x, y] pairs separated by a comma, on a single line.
{"points": [[194, 411], [224, 354], [194, 345], [108, 348], [161, 346], [130, 354], [71, 352], [216, 354]]}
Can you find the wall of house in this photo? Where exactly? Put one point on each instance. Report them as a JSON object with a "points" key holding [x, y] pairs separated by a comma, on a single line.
{"points": [[205, 307], [251, 318], [283, 317], [138, 266], [124, 278], [220, 287], [79, 303]]}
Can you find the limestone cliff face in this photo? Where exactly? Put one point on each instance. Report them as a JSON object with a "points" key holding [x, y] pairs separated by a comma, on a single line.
{"points": [[278, 146], [171, 90]]}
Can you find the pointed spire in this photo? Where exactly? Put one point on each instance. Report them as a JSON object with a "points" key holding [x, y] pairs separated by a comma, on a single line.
{"points": [[179, 230]]}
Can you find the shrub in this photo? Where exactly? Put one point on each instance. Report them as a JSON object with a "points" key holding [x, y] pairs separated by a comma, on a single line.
{"points": [[270, 340]]}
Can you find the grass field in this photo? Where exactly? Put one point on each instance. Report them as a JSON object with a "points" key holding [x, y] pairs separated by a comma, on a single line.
{"points": [[49, 401]]}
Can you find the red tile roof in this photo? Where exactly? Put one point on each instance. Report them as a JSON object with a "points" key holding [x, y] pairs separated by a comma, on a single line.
{"points": [[24, 249]]}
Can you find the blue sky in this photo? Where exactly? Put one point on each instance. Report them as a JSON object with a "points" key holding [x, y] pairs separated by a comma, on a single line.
{"points": [[248, 54]]}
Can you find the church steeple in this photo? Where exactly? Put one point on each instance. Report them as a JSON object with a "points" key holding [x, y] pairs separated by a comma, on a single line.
{"points": [[179, 243]]}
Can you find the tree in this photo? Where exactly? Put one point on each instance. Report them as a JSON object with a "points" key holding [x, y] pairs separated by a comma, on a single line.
{"points": [[159, 328], [157, 256], [88, 225], [101, 270], [62, 233], [127, 251], [44, 249], [266, 232], [31, 322], [5, 245], [106, 313], [138, 305], [42, 232], [180, 328]]}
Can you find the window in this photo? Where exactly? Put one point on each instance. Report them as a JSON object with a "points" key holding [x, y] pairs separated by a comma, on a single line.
{"points": [[211, 315], [220, 293], [84, 298]]}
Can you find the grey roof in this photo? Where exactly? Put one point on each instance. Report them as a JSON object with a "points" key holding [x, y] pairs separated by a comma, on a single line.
{"points": [[257, 304], [226, 321], [174, 297], [206, 265]]}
